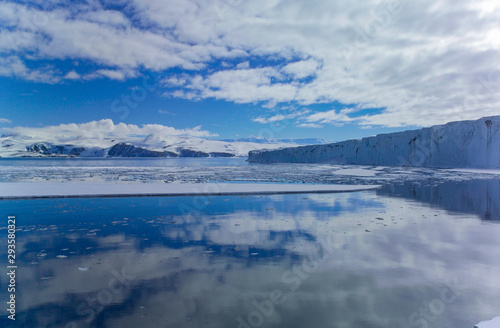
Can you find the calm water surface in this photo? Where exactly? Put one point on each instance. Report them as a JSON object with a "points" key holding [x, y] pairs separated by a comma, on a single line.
{"points": [[405, 256]]}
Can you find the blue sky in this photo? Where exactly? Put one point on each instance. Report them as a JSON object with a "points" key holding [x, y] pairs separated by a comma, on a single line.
{"points": [[235, 68]]}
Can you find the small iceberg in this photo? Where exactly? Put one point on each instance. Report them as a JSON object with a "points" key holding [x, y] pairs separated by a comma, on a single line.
{"points": [[83, 268], [493, 323]]}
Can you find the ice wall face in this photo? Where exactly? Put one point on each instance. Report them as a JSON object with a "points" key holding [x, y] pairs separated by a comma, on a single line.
{"points": [[457, 144], [472, 196]]}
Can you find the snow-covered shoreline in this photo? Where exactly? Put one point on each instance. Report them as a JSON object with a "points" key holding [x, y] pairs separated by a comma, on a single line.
{"points": [[86, 190], [493, 323]]}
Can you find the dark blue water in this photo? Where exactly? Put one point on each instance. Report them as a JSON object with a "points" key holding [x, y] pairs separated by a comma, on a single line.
{"points": [[387, 258]]}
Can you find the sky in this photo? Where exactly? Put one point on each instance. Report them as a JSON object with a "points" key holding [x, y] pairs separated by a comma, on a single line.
{"points": [[237, 68]]}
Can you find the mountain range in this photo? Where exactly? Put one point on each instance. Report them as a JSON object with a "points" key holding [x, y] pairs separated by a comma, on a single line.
{"points": [[153, 145]]}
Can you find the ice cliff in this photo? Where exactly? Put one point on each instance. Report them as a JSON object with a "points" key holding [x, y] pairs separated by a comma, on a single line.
{"points": [[457, 144]]}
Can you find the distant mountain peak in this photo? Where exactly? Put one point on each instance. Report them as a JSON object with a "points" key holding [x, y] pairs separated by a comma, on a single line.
{"points": [[152, 145]]}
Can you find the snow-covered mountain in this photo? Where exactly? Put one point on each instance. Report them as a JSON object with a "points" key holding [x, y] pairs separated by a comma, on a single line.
{"points": [[154, 145], [457, 144]]}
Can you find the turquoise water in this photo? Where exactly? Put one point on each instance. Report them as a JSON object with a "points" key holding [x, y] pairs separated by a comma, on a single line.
{"points": [[397, 257]]}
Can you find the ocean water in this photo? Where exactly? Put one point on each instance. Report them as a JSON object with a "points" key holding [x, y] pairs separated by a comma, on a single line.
{"points": [[125, 170], [406, 255]]}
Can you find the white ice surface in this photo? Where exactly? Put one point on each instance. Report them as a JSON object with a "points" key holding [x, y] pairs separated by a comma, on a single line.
{"points": [[165, 170], [356, 172], [53, 190], [480, 171], [493, 323]]}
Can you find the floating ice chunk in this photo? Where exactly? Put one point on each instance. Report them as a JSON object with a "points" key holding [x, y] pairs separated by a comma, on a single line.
{"points": [[357, 172], [61, 256], [493, 323], [51, 190], [83, 268]]}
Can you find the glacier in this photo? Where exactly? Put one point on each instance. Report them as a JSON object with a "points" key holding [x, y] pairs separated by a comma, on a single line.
{"points": [[462, 144]]}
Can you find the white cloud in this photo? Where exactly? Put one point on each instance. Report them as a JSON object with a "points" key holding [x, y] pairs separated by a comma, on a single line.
{"points": [[105, 17], [281, 117], [5, 120], [331, 117], [174, 81], [241, 86], [423, 64], [73, 75], [105, 128], [243, 65], [13, 66], [423, 69], [112, 74], [310, 125], [301, 69], [162, 111], [102, 36], [275, 118]]}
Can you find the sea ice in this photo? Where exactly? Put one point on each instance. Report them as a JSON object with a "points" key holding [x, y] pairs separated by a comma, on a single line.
{"points": [[55, 190], [493, 323]]}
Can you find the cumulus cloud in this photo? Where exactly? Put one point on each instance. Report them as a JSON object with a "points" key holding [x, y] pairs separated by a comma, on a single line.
{"points": [[275, 118], [243, 65], [331, 117], [105, 17], [72, 75], [301, 69], [120, 75], [241, 86], [103, 36], [13, 66], [420, 63], [295, 114], [104, 128], [174, 81]]}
